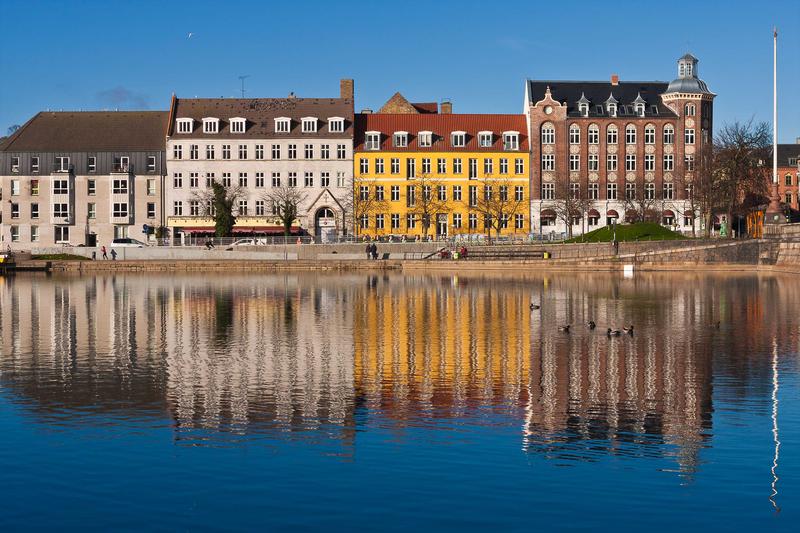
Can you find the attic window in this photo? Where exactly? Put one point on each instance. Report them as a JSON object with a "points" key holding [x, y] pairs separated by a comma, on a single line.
{"points": [[510, 140], [654, 109], [309, 124], [612, 110], [400, 139], [238, 125], [210, 125], [598, 109], [282, 124], [485, 139], [336, 125], [584, 109], [185, 125], [425, 139], [640, 109], [372, 140], [458, 139]]}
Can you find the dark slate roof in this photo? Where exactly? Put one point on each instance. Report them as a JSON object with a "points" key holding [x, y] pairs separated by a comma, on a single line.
{"points": [[786, 152], [261, 114], [90, 131], [597, 92], [688, 85]]}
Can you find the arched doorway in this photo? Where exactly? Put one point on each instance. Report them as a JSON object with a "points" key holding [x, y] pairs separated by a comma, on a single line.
{"points": [[325, 225]]}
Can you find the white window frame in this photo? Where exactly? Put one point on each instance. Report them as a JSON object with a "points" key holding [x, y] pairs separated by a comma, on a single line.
{"points": [[425, 139], [309, 124], [400, 139], [283, 125], [238, 125], [336, 125], [510, 140], [458, 139], [210, 125], [548, 134], [485, 139], [184, 125], [372, 140]]}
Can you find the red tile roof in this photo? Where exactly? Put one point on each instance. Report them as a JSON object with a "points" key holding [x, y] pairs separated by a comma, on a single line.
{"points": [[441, 126]]}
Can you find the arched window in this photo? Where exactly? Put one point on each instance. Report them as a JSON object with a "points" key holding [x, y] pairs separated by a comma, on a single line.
{"points": [[574, 134], [594, 134], [548, 134], [630, 134], [669, 134], [649, 134], [611, 134], [690, 110]]}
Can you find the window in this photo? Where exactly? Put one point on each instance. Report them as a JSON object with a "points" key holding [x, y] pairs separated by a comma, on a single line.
{"points": [[308, 151], [583, 108], [379, 221], [575, 190], [473, 169], [15, 188], [488, 165], [669, 193], [649, 162], [242, 179], [276, 179], [441, 193], [243, 208], [519, 221], [308, 179], [688, 136], [372, 140], [259, 180], [649, 134], [260, 211], [210, 125], [574, 134], [292, 151], [242, 151], [503, 165], [411, 196], [485, 139], [457, 220], [548, 191], [379, 165], [15, 164], [441, 165], [91, 187], [119, 186], [177, 208], [282, 125], [395, 165], [594, 191], [519, 193], [151, 163], [548, 162], [788, 198], [548, 134], [510, 140], [363, 165], [276, 151], [226, 151], [594, 162], [34, 187], [457, 165], [425, 139], [309, 124], [151, 210], [612, 109], [34, 164], [639, 109], [787, 179], [185, 125], [611, 134], [59, 187], [61, 234], [119, 210], [611, 162], [473, 221], [193, 152], [690, 110], [91, 210], [340, 179], [473, 195], [519, 166], [341, 151], [62, 164], [688, 162], [411, 221], [292, 179], [395, 221], [61, 210], [458, 139], [594, 134], [630, 162], [400, 139], [336, 125], [411, 168], [259, 151], [611, 191], [669, 134], [650, 191], [91, 163], [630, 134], [238, 125], [669, 162], [194, 208], [226, 179], [209, 179], [34, 233], [325, 151], [457, 193], [379, 193], [177, 180], [574, 162], [14, 233], [426, 165], [14, 210], [395, 193]]}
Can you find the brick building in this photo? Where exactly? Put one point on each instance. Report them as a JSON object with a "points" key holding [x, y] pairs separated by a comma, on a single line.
{"points": [[788, 173], [629, 149]]}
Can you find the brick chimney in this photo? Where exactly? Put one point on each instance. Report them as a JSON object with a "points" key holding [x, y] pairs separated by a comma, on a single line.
{"points": [[346, 89], [446, 107], [614, 79]]}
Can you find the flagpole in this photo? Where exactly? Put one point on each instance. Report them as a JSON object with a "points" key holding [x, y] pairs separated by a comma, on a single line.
{"points": [[775, 106]]}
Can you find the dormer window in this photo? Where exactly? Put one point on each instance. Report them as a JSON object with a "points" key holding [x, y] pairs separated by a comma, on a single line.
{"points": [[583, 109], [485, 139], [309, 124], [510, 140], [210, 125], [400, 139], [185, 125], [282, 124], [372, 140], [425, 139], [336, 125], [612, 109], [238, 125], [639, 109], [458, 139]]}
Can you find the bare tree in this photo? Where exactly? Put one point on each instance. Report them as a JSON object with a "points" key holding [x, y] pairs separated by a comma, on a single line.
{"points": [[219, 202], [497, 202], [426, 197], [571, 202], [641, 200], [364, 200], [285, 201]]}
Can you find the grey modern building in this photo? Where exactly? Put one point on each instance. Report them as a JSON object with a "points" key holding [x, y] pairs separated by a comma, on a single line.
{"points": [[82, 178]]}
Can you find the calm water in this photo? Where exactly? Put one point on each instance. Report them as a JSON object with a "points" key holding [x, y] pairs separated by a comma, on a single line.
{"points": [[391, 402]]}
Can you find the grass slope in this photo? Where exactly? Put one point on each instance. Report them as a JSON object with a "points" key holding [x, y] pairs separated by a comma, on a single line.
{"points": [[641, 231], [59, 257]]}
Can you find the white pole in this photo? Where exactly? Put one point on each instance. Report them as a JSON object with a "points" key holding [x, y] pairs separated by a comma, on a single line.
{"points": [[775, 106]]}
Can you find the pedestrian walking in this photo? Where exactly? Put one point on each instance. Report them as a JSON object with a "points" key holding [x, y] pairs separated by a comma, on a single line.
{"points": [[374, 251], [369, 250], [105, 252], [113, 254]]}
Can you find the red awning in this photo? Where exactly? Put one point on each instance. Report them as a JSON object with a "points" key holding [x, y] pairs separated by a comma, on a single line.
{"points": [[548, 213], [268, 230], [668, 213], [688, 213], [612, 214], [593, 213]]}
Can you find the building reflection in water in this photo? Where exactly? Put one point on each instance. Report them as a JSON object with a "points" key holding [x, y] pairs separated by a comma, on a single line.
{"points": [[313, 356]]}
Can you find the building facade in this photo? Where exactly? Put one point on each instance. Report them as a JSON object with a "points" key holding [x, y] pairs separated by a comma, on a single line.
{"points": [[788, 174], [260, 146], [82, 178], [424, 171], [617, 151]]}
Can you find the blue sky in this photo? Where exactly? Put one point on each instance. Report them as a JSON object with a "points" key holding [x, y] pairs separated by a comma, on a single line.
{"points": [[132, 55]]}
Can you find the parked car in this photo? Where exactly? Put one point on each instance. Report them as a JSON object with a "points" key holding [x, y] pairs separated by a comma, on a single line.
{"points": [[127, 243], [250, 242]]}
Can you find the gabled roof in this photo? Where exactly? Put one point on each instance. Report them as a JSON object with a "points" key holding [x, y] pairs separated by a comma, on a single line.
{"points": [[598, 92], [260, 114], [441, 126], [90, 131], [398, 104]]}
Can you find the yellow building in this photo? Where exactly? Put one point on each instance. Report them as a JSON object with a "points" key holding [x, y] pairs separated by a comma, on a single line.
{"points": [[419, 171]]}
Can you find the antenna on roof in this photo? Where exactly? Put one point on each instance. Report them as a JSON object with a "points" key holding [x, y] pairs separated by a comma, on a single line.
{"points": [[242, 78]]}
